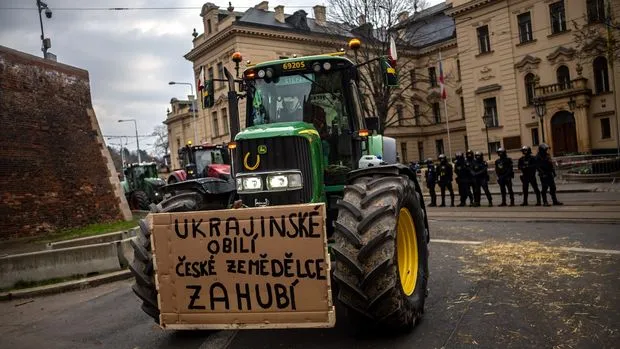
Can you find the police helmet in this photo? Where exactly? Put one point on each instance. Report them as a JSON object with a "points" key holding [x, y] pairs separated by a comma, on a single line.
{"points": [[478, 154], [526, 149], [458, 155], [543, 148], [429, 161], [442, 157], [469, 153], [501, 152]]}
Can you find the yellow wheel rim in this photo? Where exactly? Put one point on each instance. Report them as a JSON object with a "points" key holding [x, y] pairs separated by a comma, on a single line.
{"points": [[407, 249]]}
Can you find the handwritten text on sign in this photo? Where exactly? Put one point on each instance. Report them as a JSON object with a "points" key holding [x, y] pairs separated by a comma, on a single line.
{"points": [[263, 260]]}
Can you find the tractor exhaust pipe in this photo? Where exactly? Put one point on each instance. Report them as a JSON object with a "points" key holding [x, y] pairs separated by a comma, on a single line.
{"points": [[233, 105]]}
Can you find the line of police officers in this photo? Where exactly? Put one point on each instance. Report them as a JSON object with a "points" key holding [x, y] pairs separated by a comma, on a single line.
{"points": [[472, 176]]}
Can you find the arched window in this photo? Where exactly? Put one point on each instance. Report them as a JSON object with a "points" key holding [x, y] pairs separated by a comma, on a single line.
{"points": [[563, 76], [529, 88], [601, 77]]}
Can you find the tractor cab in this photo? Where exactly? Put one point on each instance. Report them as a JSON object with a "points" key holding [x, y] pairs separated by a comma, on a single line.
{"points": [[142, 185], [202, 161]]}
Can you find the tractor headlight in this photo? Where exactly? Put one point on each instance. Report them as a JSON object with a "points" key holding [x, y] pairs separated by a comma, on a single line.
{"points": [[284, 181], [252, 183], [277, 182]]}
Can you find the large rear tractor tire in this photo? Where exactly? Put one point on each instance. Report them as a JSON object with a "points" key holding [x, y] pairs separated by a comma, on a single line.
{"points": [[142, 267], [381, 253], [139, 200]]}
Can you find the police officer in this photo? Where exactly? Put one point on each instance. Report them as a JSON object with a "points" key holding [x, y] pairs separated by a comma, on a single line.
{"points": [[527, 166], [444, 179], [505, 174], [469, 165], [463, 179], [546, 172], [481, 178], [431, 180]]}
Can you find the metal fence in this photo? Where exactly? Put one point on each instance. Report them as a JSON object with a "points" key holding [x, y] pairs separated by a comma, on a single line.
{"points": [[588, 168]]}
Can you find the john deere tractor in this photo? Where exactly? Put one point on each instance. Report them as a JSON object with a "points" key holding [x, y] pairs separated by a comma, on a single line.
{"points": [[142, 185], [305, 134]]}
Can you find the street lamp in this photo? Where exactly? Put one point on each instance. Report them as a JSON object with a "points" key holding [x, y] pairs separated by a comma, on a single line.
{"points": [[487, 119], [541, 110], [193, 107], [46, 43], [137, 141]]}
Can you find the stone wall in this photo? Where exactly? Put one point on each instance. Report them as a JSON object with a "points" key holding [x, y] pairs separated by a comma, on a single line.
{"points": [[54, 167]]}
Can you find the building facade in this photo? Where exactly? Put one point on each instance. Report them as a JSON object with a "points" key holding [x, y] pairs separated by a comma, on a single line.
{"points": [[180, 122], [419, 120], [516, 52], [498, 58]]}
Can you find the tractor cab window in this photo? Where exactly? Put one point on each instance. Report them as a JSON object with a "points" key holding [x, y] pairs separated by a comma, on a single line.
{"points": [[207, 157], [318, 99]]}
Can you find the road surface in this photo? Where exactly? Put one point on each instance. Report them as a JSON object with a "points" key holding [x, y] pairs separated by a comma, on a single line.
{"points": [[493, 285]]}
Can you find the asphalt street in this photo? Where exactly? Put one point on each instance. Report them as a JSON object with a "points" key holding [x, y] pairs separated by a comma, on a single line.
{"points": [[492, 285]]}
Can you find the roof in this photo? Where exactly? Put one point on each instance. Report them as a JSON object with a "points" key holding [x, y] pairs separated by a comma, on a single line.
{"points": [[429, 26], [257, 17]]}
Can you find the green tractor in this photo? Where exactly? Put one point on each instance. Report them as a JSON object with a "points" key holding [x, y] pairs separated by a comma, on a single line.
{"points": [[142, 185], [306, 140]]}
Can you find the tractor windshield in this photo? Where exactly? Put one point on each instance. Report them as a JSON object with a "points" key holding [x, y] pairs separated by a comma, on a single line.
{"points": [[313, 98], [206, 157]]}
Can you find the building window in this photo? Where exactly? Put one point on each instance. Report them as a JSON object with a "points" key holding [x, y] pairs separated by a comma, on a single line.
{"points": [[421, 150], [216, 125], [484, 41], [490, 108], [225, 120], [399, 115], [596, 11], [432, 76], [530, 85], [558, 17], [601, 77], [208, 26], [605, 128], [436, 113], [563, 76], [416, 114], [534, 132], [210, 73], [403, 151], [458, 69], [462, 107], [525, 27], [439, 146], [493, 146], [414, 79], [466, 142]]}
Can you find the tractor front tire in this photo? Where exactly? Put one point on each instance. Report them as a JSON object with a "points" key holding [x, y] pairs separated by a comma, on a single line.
{"points": [[139, 200], [381, 253], [142, 267]]}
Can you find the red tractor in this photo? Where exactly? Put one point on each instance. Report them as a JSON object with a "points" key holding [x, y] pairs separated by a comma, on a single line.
{"points": [[202, 161]]}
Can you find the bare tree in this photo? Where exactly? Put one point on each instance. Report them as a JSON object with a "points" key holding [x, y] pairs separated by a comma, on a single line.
{"points": [[374, 22], [161, 142], [597, 39]]}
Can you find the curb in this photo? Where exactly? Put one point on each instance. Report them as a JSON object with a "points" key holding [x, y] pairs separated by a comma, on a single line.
{"points": [[66, 286]]}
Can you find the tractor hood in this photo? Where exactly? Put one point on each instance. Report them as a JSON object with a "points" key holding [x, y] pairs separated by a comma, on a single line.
{"points": [[295, 128], [155, 182], [216, 170]]}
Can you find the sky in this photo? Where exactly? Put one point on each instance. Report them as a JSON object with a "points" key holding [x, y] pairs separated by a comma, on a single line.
{"points": [[130, 55]]}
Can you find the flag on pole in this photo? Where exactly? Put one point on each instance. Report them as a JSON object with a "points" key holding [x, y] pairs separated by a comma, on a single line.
{"points": [[442, 84], [201, 79]]}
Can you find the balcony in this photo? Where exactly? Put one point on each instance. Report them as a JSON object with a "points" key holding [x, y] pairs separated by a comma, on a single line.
{"points": [[566, 89]]}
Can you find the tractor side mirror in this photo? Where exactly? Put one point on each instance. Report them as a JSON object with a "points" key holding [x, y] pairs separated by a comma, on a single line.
{"points": [[208, 94], [372, 123]]}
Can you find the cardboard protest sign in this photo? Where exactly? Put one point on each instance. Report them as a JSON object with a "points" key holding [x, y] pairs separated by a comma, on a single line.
{"points": [[264, 267]]}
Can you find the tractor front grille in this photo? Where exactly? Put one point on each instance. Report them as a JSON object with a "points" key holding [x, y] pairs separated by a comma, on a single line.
{"points": [[282, 153]]}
